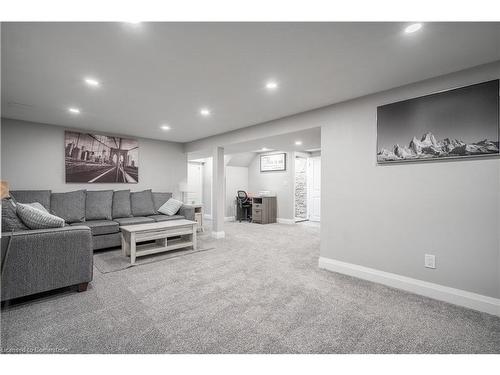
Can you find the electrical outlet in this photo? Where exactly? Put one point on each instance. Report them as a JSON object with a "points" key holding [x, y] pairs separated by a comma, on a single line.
{"points": [[430, 261]]}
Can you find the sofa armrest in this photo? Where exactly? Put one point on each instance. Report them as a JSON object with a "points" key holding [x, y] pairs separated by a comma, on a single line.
{"points": [[35, 261], [187, 211]]}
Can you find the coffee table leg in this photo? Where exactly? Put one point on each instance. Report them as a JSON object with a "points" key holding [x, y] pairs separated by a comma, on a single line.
{"points": [[132, 248], [124, 244]]}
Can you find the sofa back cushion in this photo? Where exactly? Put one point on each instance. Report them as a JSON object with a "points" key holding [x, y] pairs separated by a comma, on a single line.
{"points": [[159, 199], [36, 218], [98, 205], [121, 204], [141, 203], [30, 196], [70, 206], [10, 220]]}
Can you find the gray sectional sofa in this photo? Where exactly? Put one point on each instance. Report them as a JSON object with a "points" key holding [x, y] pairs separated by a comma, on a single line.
{"points": [[35, 261]]}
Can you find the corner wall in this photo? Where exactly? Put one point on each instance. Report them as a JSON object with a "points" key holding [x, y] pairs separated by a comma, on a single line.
{"points": [[33, 158], [387, 217]]}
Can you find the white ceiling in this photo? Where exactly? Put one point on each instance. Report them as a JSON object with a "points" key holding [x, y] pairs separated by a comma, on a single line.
{"points": [[242, 159], [310, 140], [156, 73]]}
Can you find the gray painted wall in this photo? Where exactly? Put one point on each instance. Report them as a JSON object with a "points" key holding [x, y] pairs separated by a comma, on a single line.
{"points": [[387, 217], [33, 158], [280, 182]]}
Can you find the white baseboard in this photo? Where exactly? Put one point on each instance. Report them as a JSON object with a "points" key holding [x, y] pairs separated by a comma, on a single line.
{"points": [[285, 221], [218, 235], [227, 218], [459, 297]]}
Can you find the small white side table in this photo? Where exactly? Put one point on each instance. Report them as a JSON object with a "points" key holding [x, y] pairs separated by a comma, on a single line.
{"points": [[198, 215]]}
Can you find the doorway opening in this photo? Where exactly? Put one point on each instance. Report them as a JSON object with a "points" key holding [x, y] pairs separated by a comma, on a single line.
{"points": [[307, 192], [301, 200], [194, 193]]}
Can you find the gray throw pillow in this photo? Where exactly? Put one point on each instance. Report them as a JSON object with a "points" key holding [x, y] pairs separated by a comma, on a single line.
{"points": [[10, 220], [142, 204], [98, 205], [160, 198], [70, 206], [121, 204], [35, 218]]}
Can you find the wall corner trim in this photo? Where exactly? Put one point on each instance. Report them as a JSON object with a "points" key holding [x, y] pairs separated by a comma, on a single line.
{"points": [[285, 221], [454, 296]]}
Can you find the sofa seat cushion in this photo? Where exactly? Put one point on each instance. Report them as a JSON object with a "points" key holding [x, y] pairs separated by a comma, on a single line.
{"points": [[30, 196], [160, 217], [142, 203], [106, 241], [98, 205], [99, 227], [133, 220], [70, 206]]}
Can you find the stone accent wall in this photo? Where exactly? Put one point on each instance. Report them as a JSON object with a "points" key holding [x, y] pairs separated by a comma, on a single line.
{"points": [[301, 188]]}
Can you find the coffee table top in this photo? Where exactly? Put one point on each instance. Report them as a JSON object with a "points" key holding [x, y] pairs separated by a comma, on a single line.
{"points": [[158, 225]]}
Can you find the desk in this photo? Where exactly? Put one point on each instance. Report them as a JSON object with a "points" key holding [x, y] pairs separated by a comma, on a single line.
{"points": [[264, 209]]}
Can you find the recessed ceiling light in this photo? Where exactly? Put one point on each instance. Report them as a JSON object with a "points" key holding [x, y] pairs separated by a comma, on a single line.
{"points": [[271, 85], [205, 112], [74, 110], [134, 22], [92, 82], [298, 143], [165, 127], [412, 28], [263, 149]]}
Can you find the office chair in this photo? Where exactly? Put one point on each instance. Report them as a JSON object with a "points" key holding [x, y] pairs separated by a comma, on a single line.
{"points": [[244, 204]]}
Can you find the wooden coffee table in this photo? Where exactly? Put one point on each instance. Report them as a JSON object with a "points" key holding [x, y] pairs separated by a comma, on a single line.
{"points": [[161, 233]]}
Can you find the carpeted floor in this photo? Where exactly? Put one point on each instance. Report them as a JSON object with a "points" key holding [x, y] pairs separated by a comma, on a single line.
{"points": [[259, 291]]}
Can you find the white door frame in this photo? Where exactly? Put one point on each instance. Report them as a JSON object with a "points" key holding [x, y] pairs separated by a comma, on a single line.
{"points": [[201, 165], [299, 156]]}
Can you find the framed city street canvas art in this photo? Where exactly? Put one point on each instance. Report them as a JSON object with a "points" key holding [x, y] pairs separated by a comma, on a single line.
{"points": [[457, 123], [97, 158]]}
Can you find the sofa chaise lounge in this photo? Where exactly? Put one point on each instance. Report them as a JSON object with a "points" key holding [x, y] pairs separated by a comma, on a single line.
{"points": [[35, 261]]}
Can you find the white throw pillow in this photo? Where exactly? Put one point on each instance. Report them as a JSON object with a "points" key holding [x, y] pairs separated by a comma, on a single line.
{"points": [[35, 218], [170, 207]]}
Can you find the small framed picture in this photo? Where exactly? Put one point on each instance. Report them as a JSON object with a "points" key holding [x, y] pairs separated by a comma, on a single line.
{"points": [[274, 162]]}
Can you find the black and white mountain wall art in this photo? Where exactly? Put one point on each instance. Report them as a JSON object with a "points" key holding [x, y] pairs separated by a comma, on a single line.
{"points": [[457, 123]]}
